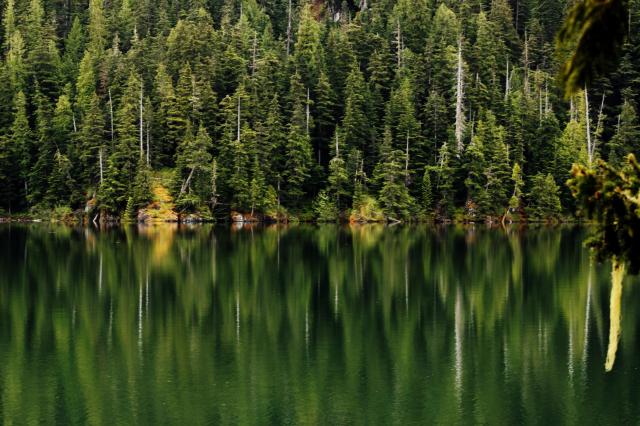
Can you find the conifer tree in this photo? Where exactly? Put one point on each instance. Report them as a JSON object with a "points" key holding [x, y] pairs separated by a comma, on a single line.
{"points": [[46, 150], [391, 174], [97, 28], [61, 185], [475, 181], [73, 50], [20, 147], [405, 128], [427, 192], [516, 197], [544, 200], [308, 53], [115, 190], [355, 128], [627, 137], [337, 182], [92, 147], [298, 156], [15, 60], [193, 169], [394, 196]]}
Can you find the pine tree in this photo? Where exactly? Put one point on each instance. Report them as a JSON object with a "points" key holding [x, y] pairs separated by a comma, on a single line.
{"points": [[97, 28], [324, 114], [544, 200], [394, 196], [405, 128], [475, 181], [86, 83], [92, 145], [61, 185], [20, 148], [73, 48], [259, 193], [9, 22], [325, 207], [570, 149], [193, 168], [444, 172], [435, 124], [271, 152], [427, 192], [141, 189], [239, 180], [169, 123], [15, 60], [44, 157], [298, 156], [391, 174], [337, 182], [498, 174], [308, 53], [355, 128], [516, 197], [115, 190], [627, 137]]}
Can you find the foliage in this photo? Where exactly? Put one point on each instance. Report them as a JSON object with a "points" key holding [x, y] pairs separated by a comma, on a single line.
{"points": [[544, 202], [325, 207], [88, 89], [610, 196], [594, 30]]}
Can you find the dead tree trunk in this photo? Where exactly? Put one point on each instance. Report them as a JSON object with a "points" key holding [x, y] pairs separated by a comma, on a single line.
{"points": [[111, 114], [588, 124], [289, 30], [459, 129]]}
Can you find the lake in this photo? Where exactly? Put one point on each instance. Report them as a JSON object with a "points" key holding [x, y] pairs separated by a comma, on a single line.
{"points": [[310, 325]]}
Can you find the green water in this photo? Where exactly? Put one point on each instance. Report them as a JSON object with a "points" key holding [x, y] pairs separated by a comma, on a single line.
{"points": [[310, 325]]}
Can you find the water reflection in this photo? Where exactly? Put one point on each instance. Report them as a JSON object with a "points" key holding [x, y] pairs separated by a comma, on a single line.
{"points": [[308, 325]]}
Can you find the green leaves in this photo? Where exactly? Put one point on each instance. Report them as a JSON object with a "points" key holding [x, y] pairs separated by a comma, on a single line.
{"points": [[594, 32]]}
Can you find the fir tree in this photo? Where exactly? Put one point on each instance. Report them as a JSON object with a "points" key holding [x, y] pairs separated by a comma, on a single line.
{"points": [[20, 147], [193, 168], [427, 192], [61, 185], [298, 156], [627, 137], [544, 200], [516, 197], [391, 176], [121, 169]]}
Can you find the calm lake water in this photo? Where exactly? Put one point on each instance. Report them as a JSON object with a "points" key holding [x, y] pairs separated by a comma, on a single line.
{"points": [[310, 325]]}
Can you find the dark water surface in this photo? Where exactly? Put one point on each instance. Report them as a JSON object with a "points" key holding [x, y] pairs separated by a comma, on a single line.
{"points": [[310, 325]]}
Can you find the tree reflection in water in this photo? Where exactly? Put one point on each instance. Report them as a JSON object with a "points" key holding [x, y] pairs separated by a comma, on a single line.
{"points": [[307, 324]]}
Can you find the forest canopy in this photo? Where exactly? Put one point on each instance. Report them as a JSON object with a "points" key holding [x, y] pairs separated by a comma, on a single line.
{"points": [[276, 108]]}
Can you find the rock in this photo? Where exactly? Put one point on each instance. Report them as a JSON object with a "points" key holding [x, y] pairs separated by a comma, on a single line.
{"points": [[237, 217]]}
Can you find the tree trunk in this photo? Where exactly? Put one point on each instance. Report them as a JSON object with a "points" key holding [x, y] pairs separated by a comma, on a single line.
{"points": [[588, 124], [141, 124], [406, 163], [289, 30], [148, 143], [111, 114], [459, 129], [308, 112], [239, 112], [187, 182], [101, 165], [507, 83]]}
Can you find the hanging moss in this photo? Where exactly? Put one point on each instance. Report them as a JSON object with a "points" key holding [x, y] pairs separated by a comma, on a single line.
{"points": [[615, 314]]}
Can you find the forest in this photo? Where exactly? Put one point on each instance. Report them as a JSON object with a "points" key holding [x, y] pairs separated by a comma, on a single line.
{"points": [[375, 110]]}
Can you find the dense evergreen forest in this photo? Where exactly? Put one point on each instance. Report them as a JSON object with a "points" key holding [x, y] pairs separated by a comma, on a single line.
{"points": [[370, 110]]}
